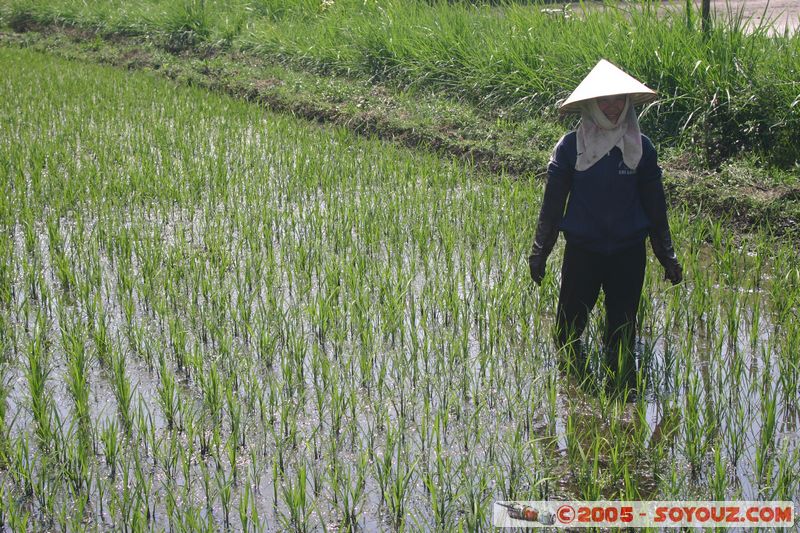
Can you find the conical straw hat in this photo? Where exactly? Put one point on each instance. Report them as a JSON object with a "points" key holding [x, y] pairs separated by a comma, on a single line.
{"points": [[606, 79]]}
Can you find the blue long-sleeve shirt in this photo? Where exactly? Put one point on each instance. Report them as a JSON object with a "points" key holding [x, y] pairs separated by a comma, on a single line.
{"points": [[605, 211]]}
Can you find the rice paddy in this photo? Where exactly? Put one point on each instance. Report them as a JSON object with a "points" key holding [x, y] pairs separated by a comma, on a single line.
{"points": [[213, 317]]}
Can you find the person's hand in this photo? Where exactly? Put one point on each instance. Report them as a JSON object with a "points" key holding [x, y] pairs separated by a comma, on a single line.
{"points": [[662, 247], [536, 264], [673, 270]]}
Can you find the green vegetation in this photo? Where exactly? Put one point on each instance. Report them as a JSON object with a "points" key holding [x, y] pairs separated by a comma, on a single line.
{"points": [[216, 316], [729, 92]]}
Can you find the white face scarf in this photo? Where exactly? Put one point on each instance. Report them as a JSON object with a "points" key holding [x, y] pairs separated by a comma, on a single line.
{"points": [[597, 135]]}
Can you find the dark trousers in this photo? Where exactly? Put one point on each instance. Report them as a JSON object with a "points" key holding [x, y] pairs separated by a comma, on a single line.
{"points": [[620, 276]]}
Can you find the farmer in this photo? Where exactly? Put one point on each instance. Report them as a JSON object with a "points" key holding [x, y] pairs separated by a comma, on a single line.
{"points": [[607, 174]]}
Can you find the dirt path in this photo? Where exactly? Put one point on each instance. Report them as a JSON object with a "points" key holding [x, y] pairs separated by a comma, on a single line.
{"points": [[781, 14]]}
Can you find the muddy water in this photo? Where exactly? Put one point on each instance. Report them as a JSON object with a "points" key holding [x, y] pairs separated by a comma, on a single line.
{"points": [[661, 407]]}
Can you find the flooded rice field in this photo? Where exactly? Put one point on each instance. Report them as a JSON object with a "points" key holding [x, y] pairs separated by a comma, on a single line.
{"points": [[213, 318]]}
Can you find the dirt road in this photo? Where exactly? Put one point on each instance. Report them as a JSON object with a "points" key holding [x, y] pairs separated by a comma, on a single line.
{"points": [[781, 14]]}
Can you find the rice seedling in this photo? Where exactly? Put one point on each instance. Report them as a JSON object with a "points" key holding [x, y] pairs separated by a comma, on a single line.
{"points": [[143, 497], [214, 446], [187, 459], [23, 469], [394, 474], [122, 503], [109, 436], [43, 497], [212, 394], [77, 467], [4, 422], [764, 450], [168, 395], [206, 480], [296, 500], [74, 344], [101, 341], [438, 482], [36, 373], [123, 392], [245, 505], [224, 491], [785, 483], [18, 519]]}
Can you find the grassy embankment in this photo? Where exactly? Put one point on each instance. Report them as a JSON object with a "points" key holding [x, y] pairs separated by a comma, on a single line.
{"points": [[215, 316], [483, 81]]}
